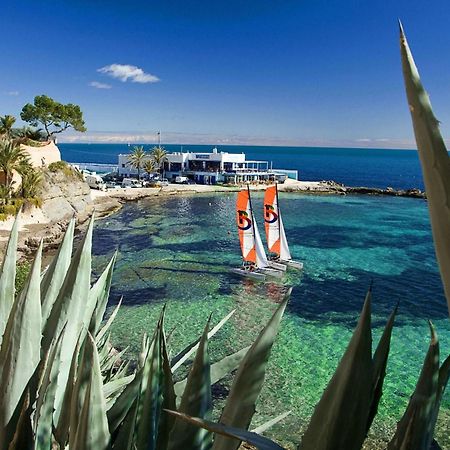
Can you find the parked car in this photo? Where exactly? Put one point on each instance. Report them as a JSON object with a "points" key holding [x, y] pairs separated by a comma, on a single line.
{"points": [[95, 181], [131, 182], [113, 184], [163, 182], [181, 180]]}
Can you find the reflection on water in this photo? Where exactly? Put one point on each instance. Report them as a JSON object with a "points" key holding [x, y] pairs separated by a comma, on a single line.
{"points": [[179, 251]]}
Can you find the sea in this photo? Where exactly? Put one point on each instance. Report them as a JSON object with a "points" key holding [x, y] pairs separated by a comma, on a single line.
{"points": [[378, 168], [178, 251]]}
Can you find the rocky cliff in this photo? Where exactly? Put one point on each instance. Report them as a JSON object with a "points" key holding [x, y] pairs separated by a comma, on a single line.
{"points": [[65, 194]]}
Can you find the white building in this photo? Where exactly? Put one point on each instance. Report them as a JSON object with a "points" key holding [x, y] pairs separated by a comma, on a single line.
{"points": [[211, 168]]}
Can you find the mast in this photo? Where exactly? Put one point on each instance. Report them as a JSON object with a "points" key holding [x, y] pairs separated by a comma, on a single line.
{"points": [[253, 217], [279, 213]]}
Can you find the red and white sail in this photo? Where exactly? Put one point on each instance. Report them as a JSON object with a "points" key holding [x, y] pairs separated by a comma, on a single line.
{"points": [[250, 240], [275, 235]]}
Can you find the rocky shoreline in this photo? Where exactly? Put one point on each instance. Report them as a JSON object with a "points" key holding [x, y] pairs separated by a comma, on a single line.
{"points": [[64, 199]]}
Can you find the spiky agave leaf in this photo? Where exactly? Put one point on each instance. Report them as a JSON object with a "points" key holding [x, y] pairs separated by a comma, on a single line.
{"points": [[380, 360], [102, 332], [55, 274], [434, 160], [43, 416], [151, 394], [196, 401], [92, 430], [416, 428], [8, 277], [270, 423], [62, 426], [124, 403], [340, 418], [100, 291], [233, 434], [113, 388], [70, 304], [20, 349], [219, 370], [240, 405], [182, 356]]}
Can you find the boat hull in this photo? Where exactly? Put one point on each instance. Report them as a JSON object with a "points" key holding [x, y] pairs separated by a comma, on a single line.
{"points": [[291, 263], [271, 272], [277, 266], [255, 275]]}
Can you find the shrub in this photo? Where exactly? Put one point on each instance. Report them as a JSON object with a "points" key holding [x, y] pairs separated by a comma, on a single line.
{"points": [[66, 169]]}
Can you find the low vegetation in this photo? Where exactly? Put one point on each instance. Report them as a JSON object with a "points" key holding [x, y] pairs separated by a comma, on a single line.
{"points": [[66, 169], [13, 159]]}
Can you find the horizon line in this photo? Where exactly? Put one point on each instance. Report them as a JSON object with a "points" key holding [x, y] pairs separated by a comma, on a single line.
{"points": [[179, 138]]}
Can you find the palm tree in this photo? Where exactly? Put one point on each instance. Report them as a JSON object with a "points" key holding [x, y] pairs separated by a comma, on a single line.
{"points": [[31, 181], [136, 159], [159, 155], [12, 158], [6, 124], [150, 166]]}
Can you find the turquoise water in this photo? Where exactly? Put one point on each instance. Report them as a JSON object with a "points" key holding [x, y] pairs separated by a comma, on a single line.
{"points": [[178, 250]]}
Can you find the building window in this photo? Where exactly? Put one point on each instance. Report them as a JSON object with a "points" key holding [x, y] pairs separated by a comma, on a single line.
{"points": [[123, 165]]}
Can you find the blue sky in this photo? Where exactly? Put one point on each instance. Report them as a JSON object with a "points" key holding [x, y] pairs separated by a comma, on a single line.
{"points": [[310, 72]]}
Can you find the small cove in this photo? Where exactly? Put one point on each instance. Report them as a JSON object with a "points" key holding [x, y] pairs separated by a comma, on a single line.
{"points": [[179, 251]]}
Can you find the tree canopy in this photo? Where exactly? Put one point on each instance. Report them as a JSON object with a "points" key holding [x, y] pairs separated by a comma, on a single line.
{"points": [[52, 115], [137, 159]]}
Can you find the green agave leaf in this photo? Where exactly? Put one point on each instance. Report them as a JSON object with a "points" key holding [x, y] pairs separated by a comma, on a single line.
{"points": [[125, 435], [92, 432], [416, 428], [21, 433], [340, 418], [20, 349], [258, 441], [100, 291], [112, 388], [270, 423], [152, 392], [111, 361], [219, 369], [70, 304], [248, 381], [380, 360], [181, 357], [434, 160], [8, 277], [166, 421], [101, 334], [61, 431], [43, 416], [444, 374], [196, 401], [120, 408], [55, 274]]}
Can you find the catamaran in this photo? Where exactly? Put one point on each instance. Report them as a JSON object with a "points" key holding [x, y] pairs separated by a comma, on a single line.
{"points": [[255, 262], [276, 237]]}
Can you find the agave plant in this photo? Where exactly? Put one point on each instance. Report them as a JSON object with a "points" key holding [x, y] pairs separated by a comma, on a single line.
{"points": [[65, 386]]}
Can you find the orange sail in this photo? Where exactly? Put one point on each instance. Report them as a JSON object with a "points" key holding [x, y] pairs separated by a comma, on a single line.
{"points": [[244, 219], [275, 234], [271, 222]]}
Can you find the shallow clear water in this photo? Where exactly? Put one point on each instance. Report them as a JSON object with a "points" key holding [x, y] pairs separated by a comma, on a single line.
{"points": [[179, 250]]}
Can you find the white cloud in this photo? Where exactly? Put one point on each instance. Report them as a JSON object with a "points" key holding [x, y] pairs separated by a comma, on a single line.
{"points": [[98, 85], [12, 93], [125, 72]]}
